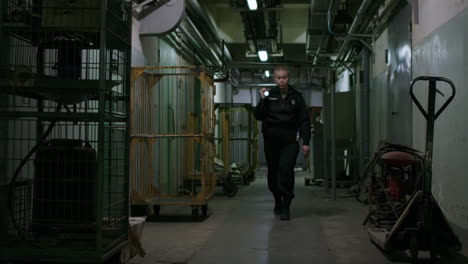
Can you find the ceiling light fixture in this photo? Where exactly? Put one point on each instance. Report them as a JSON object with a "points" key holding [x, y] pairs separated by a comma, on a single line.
{"points": [[267, 73], [252, 4], [263, 55]]}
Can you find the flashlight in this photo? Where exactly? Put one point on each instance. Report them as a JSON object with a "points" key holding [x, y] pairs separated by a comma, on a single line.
{"points": [[266, 93]]}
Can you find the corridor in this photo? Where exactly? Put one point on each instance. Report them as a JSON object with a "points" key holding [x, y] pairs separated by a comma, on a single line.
{"points": [[122, 114], [243, 229]]}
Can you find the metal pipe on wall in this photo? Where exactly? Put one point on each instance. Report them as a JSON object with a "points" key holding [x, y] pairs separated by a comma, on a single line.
{"points": [[333, 132], [184, 47], [365, 107], [326, 176], [195, 6], [202, 40], [195, 43]]}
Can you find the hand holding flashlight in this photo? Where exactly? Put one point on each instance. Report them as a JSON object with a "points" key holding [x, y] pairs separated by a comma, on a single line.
{"points": [[264, 93]]}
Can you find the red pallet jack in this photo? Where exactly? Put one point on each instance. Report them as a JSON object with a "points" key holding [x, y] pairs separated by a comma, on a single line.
{"points": [[421, 225]]}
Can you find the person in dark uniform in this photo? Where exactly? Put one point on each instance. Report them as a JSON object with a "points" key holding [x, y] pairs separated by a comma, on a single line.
{"points": [[284, 114]]}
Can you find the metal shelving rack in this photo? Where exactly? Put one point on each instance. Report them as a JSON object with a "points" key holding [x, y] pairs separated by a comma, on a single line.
{"points": [[239, 140], [64, 82]]}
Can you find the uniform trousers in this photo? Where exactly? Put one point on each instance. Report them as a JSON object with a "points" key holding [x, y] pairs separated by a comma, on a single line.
{"points": [[281, 154]]}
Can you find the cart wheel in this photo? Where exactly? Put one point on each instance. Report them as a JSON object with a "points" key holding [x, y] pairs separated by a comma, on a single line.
{"points": [[251, 176], [414, 249], [204, 209], [245, 180], [195, 211], [230, 188], [156, 209]]}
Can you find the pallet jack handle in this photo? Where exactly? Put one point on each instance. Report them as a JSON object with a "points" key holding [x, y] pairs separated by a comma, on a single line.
{"points": [[432, 91], [430, 116]]}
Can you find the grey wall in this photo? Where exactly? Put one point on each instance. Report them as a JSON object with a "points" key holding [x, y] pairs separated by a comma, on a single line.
{"points": [[379, 93], [399, 77], [245, 96], [444, 53], [391, 74]]}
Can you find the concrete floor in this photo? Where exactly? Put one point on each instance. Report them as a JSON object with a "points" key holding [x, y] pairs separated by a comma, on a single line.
{"points": [[243, 229]]}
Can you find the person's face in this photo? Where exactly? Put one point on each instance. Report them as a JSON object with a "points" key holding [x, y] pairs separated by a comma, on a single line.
{"points": [[282, 79]]}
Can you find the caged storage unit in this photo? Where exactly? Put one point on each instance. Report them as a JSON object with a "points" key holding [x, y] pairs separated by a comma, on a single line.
{"points": [[64, 82], [171, 138], [237, 142]]}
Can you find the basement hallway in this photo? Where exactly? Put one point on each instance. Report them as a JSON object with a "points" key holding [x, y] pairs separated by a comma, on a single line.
{"points": [[243, 229]]}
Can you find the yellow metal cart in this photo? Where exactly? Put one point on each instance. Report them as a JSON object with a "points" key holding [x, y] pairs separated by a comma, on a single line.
{"points": [[172, 137], [237, 141]]}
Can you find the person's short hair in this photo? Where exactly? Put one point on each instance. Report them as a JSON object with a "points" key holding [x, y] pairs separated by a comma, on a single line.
{"points": [[281, 68]]}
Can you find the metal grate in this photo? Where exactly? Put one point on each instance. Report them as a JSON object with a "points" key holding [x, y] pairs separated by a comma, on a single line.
{"points": [[64, 99]]}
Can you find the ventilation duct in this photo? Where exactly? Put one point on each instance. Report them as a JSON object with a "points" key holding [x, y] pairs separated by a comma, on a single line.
{"points": [[160, 18]]}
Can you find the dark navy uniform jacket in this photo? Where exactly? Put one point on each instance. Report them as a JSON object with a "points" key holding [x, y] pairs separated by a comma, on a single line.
{"points": [[283, 118]]}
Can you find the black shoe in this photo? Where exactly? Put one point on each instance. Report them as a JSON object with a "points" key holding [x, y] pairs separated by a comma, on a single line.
{"points": [[284, 214], [277, 209]]}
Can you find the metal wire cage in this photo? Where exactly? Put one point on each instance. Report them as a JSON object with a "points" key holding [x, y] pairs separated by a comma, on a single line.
{"points": [[66, 183], [64, 82], [172, 126], [65, 52], [237, 127]]}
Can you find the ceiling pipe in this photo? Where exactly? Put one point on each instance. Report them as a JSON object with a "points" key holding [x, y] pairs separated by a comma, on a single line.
{"points": [[354, 25], [224, 79], [324, 35], [184, 46], [329, 19], [269, 64], [202, 40], [231, 78], [296, 85], [219, 48], [257, 85], [314, 10], [199, 44], [201, 14]]}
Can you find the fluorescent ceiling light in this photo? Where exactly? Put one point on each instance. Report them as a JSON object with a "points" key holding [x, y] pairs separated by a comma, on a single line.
{"points": [[252, 4], [267, 73], [263, 55]]}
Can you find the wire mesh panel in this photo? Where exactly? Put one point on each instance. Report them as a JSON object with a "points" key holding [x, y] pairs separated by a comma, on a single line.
{"points": [[64, 82], [64, 184], [237, 127], [60, 51], [172, 125]]}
